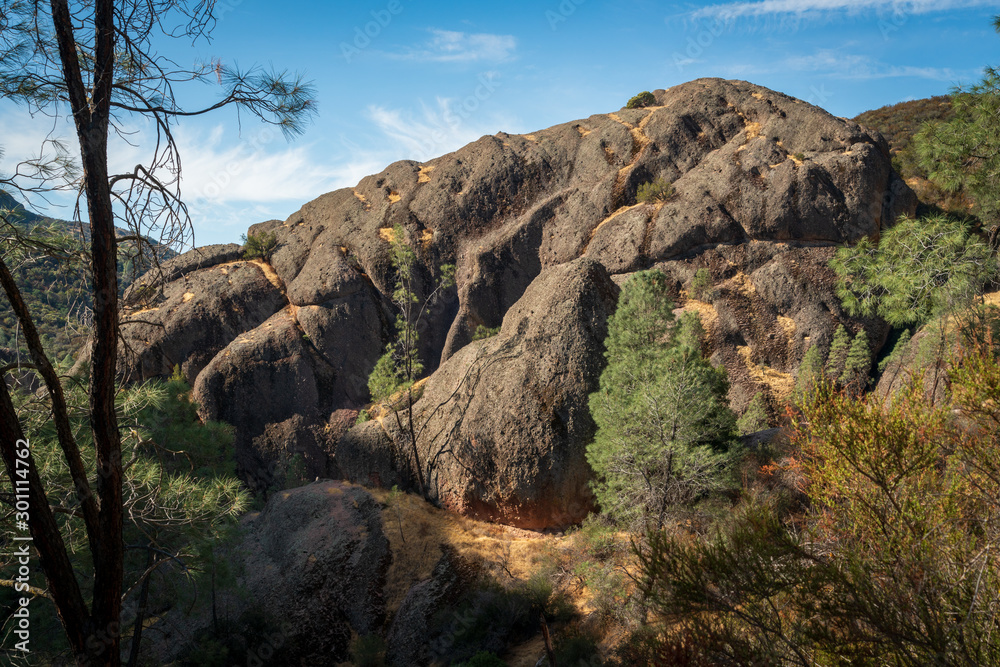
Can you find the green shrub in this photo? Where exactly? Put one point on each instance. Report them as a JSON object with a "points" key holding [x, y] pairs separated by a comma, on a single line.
{"points": [[701, 285], [655, 191], [259, 246], [482, 332], [642, 100], [484, 659], [799, 156], [755, 418], [368, 651]]}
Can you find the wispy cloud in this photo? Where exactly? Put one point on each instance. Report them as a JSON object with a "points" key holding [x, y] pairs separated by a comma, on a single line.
{"points": [[452, 46], [734, 10], [860, 67], [435, 129]]}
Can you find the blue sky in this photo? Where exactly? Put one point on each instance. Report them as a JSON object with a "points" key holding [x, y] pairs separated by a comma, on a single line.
{"points": [[409, 79]]}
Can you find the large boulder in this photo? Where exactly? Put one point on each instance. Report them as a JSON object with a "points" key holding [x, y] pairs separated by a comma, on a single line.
{"points": [[311, 569], [764, 186], [317, 558], [503, 425]]}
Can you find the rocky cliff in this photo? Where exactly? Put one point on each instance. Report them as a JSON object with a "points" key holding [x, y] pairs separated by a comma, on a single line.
{"points": [[540, 227]]}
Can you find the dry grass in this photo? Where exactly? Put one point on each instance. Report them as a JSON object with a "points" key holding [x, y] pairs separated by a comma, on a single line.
{"points": [[782, 385], [706, 311], [424, 176], [417, 531], [269, 273]]}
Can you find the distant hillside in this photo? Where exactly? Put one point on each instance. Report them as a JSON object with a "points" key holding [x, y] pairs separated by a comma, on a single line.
{"points": [[898, 123], [58, 297]]}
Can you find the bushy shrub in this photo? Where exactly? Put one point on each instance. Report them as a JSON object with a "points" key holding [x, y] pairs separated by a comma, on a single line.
{"points": [[368, 651], [755, 418], [491, 617], [642, 100], [483, 332], [259, 246], [654, 192], [701, 285]]}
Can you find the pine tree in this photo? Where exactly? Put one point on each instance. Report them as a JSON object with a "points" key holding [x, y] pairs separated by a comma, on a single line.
{"points": [[838, 352], [857, 364], [755, 418], [400, 366], [664, 426], [810, 372]]}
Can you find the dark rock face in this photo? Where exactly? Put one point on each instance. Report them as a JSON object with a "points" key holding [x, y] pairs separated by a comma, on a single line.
{"points": [[316, 558], [764, 186], [407, 640], [312, 565]]}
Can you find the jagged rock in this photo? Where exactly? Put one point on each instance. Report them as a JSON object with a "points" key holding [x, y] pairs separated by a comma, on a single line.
{"points": [[764, 186], [195, 317]]}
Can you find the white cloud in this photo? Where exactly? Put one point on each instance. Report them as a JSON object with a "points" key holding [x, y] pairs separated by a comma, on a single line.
{"points": [[734, 10], [860, 67], [452, 46], [435, 130]]}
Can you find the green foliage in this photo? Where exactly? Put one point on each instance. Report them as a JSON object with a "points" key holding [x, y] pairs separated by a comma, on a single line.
{"points": [[259, 246], [663, 423], [810, 371], [893, 562], [799, 156], [755, 418], [857, 364], [45, 256], [654, 192], [964, 151], [400, 366], [484, 659], [180, 491], [368, 651], [387, 376], [363, 416], [837, 355], [701, 285], [482, 332], [642, 100], [895, 357], [898, 123], [919, 270]]}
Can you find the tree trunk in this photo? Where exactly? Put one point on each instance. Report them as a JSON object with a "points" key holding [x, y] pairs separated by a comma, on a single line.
{"points": [[91, 116]]}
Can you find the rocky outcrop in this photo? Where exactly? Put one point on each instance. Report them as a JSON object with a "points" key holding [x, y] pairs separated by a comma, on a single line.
{"points": [[502, 425], [311, 570], [764, 186], [407, 640], [316, 558]]}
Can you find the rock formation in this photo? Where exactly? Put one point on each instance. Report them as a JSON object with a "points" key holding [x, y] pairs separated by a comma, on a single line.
{"points": [[764, 187]]}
